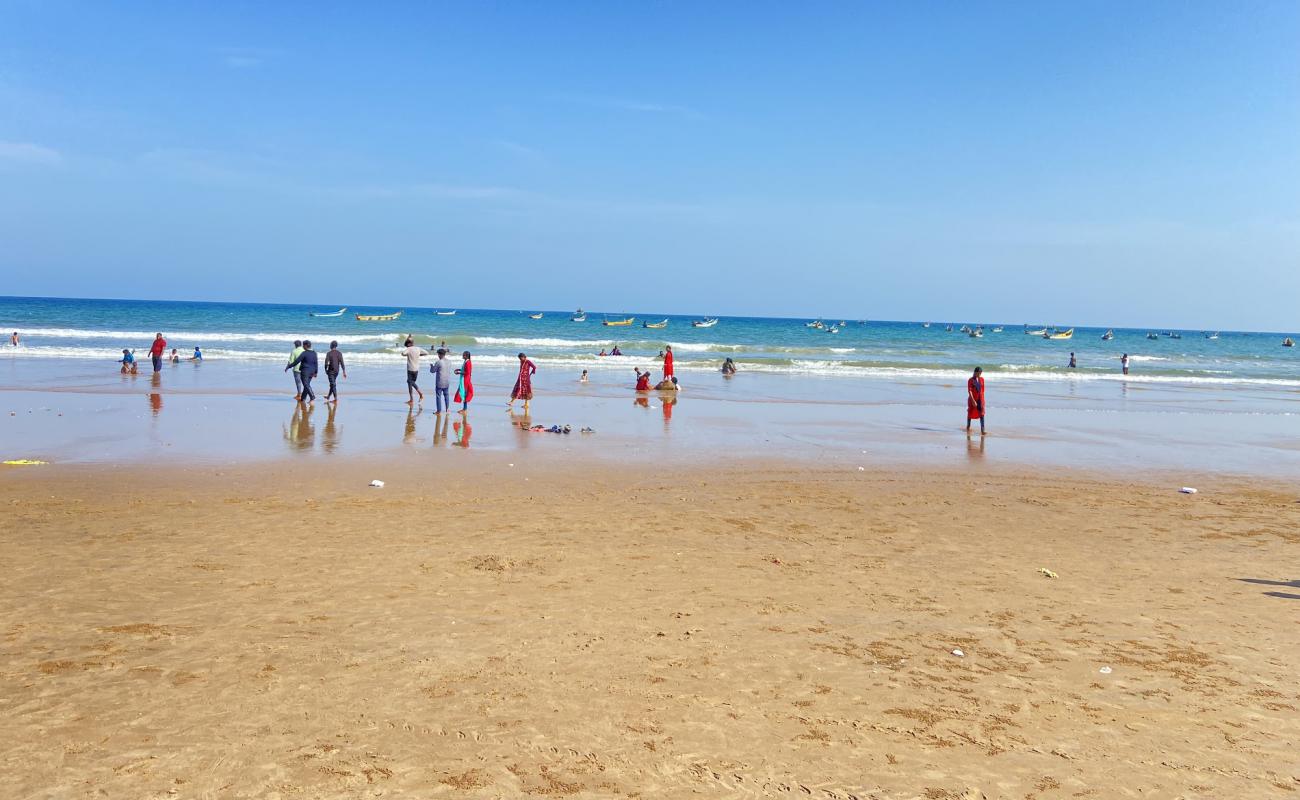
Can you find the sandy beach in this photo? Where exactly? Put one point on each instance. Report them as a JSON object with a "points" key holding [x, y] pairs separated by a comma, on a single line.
{"points": [[777, 629]]}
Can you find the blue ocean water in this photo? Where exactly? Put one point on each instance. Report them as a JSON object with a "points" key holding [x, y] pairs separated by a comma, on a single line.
{"points": [[98, 330]]}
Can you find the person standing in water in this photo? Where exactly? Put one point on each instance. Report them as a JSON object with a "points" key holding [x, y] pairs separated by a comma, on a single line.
{"points": [[413, 355], [1123, 363], [333, 366], [975, 399], [523, 384], [307, 365], [442, 371], [13, 340], [297, 373], [1073, 363], [668, 362], [156, 351], [465, 391]]}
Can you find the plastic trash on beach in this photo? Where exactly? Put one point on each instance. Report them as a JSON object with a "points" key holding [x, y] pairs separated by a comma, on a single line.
{"points": [[959, 653], [1187, 490], [377, 484], [1104, 670], [1047, 573]]}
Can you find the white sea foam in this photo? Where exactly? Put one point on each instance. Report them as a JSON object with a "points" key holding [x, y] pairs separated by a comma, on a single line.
{"points": [[178, 337]]}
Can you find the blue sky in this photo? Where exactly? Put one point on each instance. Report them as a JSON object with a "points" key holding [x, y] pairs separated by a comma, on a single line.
{"points": [[1090, 163]]}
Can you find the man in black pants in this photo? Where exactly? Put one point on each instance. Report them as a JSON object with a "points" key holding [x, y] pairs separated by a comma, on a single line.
{"points": [[333, 366], [306, 361]]}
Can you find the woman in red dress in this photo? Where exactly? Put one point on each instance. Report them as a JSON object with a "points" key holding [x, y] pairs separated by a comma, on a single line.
{"points": [[668, 362], [975, 399], [642, 380], [465, 392], [524, 383]]}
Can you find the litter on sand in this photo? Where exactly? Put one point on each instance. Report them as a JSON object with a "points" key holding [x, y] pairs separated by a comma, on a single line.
{"points": [[1104, 670], [1187, 490], [1047, 572], [959, 653], [377, 484], [24, 462]]}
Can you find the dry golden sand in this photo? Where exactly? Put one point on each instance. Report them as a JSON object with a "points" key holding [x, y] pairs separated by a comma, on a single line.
{"points": [[767, 631]]}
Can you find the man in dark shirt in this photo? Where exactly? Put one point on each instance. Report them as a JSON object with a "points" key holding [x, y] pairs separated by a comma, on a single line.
{"points": [[306, 363], [333, 366]]}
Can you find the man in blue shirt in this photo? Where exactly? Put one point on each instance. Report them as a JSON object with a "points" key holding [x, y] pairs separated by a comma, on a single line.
{"points": [[305, 366]]}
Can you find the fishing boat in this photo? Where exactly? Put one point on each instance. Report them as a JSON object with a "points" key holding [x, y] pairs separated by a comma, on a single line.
{"points": [[1152, 336], [705, 323], [579, 316], [338, 313], [1065, 334], [378, 317], [818, 325], [965, 329], [538, 315], [1175, 336], [1212, 336], [663, 324], [445, 313], [925, 324], [833, 329], [1108, 335], [948, 329], [618, 323], [1038, 332], [998, 329], [978, 333], [1288, 342]]}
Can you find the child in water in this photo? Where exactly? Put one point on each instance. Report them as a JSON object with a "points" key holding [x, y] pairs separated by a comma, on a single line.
{"points": [[128, 362]]}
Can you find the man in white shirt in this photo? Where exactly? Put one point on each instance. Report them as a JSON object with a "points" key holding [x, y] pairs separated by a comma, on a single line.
{"points": [[413, 355]]}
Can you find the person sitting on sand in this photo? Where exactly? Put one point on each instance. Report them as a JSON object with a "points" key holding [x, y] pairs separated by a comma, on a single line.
{"points": [[128, 362], [175, 357], [642, 380], [583, 378], [728, 367]]}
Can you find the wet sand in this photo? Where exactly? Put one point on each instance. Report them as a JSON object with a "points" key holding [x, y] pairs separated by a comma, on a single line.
{"points": [[784, 628]]}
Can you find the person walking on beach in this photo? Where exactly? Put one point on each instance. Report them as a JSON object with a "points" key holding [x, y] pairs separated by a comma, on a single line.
{"points": [[523, 384], [156, 351], [975, 399], [413, 355], [1073, 364], [333, 366], [442, 371], [297, 373], [307, 364], [1123, 363], [668, 362], [465, 391]]}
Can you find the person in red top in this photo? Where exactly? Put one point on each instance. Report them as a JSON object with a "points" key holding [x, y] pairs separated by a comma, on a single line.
{"points": [[465, 392], [975, 399], [524, 383], [668, 362], [642, 380], [156, 351]]}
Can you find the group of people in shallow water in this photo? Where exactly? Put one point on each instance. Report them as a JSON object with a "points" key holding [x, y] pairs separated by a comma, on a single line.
{"points": [[129, 366]]}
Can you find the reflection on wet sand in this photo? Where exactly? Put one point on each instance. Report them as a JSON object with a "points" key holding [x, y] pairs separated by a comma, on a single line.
{"points": [[330, 436], [155, 397], [463, 432], [668, 403], [299, 433], [440, 424], [412, 414], [522, 422], [975, 447], [644, 402]]}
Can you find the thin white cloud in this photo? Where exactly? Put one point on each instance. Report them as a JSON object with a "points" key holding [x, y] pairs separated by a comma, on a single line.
{"points": [[626, 104], [29, 154]]}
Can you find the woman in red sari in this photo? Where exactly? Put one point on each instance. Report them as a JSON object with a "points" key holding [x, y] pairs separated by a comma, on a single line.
{"points": [[975, 399], [465, 392], [668, 362], [642, 380], [524, 383]]}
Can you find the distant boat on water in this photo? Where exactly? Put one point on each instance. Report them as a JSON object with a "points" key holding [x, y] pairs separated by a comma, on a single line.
{"points": [[1152, 336], [1065, 334], [618, 323], [378, 317], [579, 316], [445, 313], [817, 325], [1107, 336], [1036, 332], [538, 315], [925, 324], [1211, 336], [663, 324], [704, 323], [998, 329], [1288, 342], [338, 313]]}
